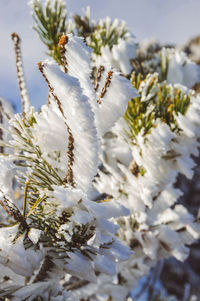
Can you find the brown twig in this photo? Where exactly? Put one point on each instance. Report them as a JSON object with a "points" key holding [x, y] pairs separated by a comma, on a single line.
{"points": [[69, 177], [46, 266], [71, 286], [70, 155], [98, 77], [20, 73], [105, 87], [62, 42], [3, 112], [12, 210]]}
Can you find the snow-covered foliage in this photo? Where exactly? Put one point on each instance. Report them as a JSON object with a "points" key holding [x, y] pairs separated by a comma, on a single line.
{"points": [[59, 230], [111, 42], [142, 163], [172, 64], [51, 23], [113, 45], [78, 64], [88, 192]]}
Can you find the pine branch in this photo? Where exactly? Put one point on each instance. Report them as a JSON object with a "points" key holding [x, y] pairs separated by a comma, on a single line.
{"points": [[50, 25], [106, 33], [69, 177], [83, 24], [20, 74], [156, 100]]}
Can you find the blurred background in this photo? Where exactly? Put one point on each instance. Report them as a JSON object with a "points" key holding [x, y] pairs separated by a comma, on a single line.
{"points": [[171, 21]]}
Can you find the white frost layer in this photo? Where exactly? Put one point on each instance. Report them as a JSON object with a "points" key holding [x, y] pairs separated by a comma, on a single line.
{"points": [[118, 93], [22, 262], [80, 119], [77, 56], [115, 101]]}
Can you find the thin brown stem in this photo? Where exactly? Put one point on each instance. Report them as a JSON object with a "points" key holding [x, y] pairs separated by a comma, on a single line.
{"points": [[70, 155], [3, 112], [69, 177], [20, 73], [98, 77], [75, 283], [12, 210], [62, 42], [105, 87], [46, 266]]}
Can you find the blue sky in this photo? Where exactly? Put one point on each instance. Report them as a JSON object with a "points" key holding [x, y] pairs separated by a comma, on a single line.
{"points": [[173, 21]]}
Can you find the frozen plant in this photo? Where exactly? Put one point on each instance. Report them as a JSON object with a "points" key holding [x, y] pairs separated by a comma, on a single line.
{"points": [[172, 64], [51, 24], [143, 156], [61, 236], [57, 230], [112, 43]]}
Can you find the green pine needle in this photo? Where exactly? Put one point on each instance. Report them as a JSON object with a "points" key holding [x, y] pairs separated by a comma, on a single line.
{"points": [[50, 25], [155, 100]]}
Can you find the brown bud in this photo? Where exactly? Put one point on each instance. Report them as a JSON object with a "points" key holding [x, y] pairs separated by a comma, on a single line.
{"points": [[63, 40]]}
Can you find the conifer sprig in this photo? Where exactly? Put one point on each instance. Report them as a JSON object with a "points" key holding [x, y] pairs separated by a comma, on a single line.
{"points": [[106, 32], [50, 24], [83, 24], [156, 100]]}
